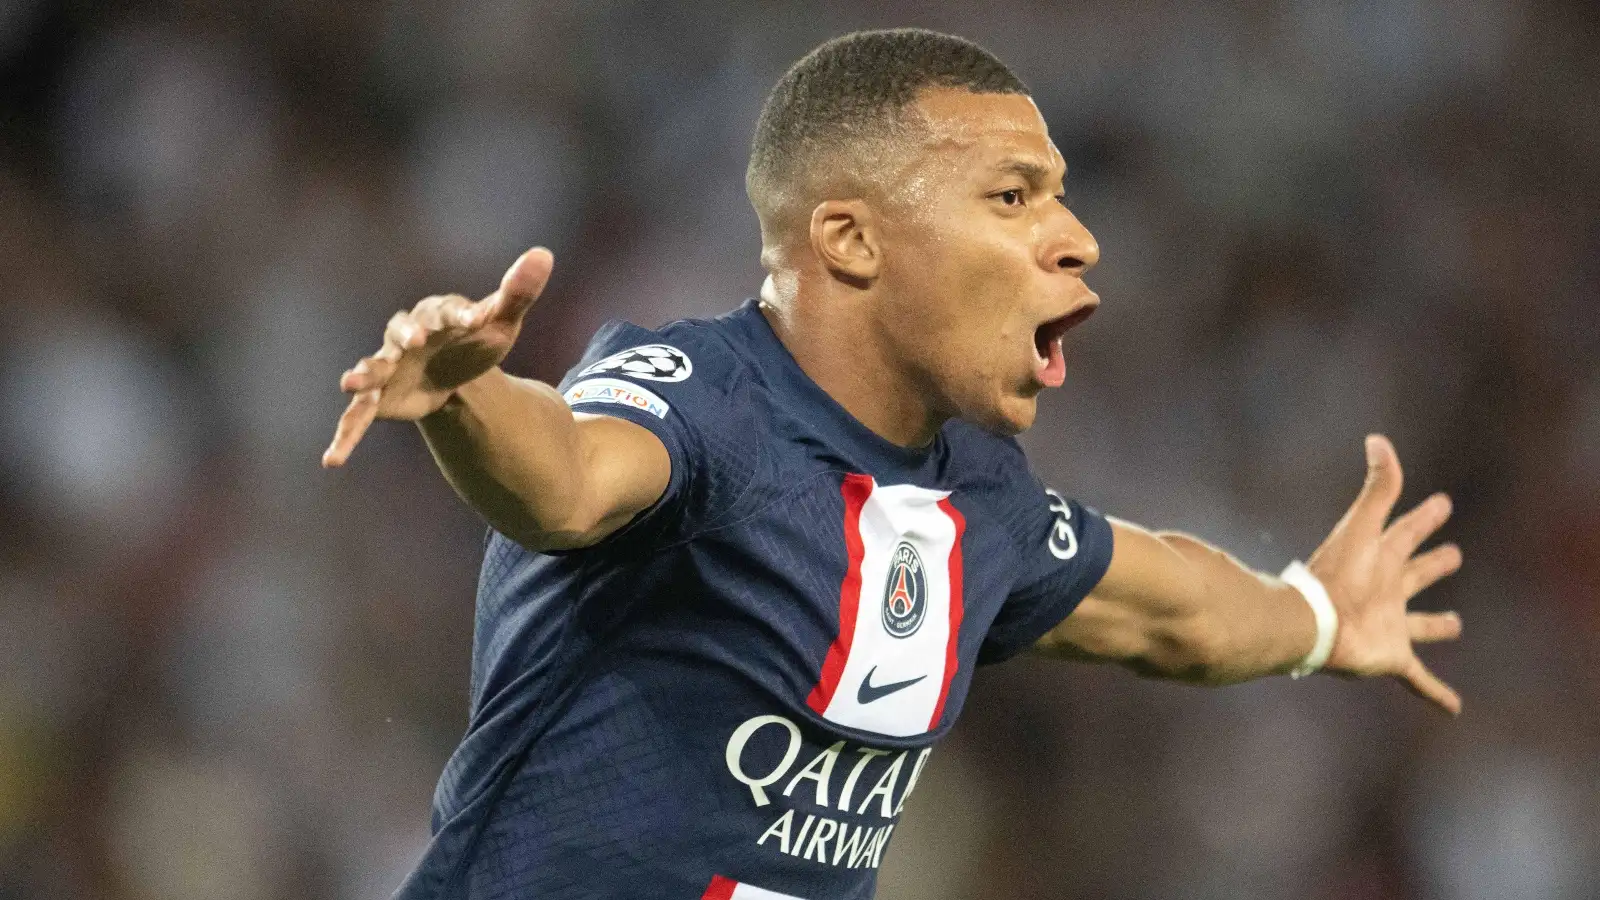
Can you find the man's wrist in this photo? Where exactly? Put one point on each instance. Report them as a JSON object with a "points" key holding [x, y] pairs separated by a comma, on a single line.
{"points": [[1316, 595]]}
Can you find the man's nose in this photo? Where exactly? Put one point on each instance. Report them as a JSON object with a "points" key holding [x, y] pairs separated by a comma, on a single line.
{"points": [[1075, 250]]}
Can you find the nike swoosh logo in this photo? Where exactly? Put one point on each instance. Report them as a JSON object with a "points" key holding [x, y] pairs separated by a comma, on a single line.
{"points": [[869, 692]]}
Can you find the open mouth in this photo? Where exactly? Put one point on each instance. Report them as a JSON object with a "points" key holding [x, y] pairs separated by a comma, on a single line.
{"points": [[1051, 362]]}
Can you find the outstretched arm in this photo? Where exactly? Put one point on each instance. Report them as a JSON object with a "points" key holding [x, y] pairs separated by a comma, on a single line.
{"points": [[542, 475], [511, 447], [1173, 606]]}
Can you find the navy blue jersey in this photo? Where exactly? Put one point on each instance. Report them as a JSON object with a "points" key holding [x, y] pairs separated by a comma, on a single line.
{"points": [[733, 695]]}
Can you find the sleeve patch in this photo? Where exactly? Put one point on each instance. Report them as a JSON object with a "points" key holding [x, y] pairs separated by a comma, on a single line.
{"points": [[1063, 541], [612, 390], [654, 362]]}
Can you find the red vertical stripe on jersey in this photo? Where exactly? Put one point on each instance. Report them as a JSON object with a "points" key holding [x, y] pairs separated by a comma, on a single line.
{"points": [[855, 490], [720, 889], [952, 647]]}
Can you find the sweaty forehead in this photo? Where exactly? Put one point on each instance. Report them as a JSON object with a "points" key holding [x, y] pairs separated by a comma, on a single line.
{"points": [[979, 130]]}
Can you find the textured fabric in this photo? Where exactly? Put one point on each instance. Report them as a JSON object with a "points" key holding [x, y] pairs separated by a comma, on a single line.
{"points": [[744, 682]]}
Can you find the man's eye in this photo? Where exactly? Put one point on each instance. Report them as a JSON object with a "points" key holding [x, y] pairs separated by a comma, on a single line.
{"points": [[1011, 198]]}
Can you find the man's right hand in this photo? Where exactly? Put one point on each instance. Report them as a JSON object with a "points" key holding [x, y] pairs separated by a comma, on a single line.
{"points": [[437, 346]]}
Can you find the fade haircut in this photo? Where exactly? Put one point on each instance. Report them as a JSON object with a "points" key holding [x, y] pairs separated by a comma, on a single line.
{"points": [[849, 93]]}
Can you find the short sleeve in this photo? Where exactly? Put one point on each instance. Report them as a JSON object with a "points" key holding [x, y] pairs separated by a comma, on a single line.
{"points": [[1065, 550], [682, 383]]}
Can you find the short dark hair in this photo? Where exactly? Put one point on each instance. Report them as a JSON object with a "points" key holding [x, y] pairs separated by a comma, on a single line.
{"points": [[855, 87]]}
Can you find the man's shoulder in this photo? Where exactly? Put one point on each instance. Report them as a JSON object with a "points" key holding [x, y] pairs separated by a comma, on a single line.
{"points": [[697, 353]]}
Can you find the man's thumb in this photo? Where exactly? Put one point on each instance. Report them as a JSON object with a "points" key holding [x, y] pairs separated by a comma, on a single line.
{"points": [[1384, 480], [522, 285]]}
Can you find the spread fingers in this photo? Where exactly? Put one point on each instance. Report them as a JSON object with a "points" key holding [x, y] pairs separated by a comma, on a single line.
{"points": [[1423, 571], [1426, 628], [371, 372], [1427, 685], [352, 425]]}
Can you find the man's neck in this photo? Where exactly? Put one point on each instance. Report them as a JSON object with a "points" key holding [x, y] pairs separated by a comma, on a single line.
{"points": [[846, 359]]}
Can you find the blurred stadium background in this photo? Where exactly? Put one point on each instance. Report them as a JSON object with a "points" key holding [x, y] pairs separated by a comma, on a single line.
{"points": [[225, 673]]}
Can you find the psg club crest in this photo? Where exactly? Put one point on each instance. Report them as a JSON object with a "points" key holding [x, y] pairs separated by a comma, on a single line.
{"points": [[905, 596], [653, 362]]}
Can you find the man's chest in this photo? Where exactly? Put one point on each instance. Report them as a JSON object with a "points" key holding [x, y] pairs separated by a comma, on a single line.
{"points": [[872, 598]]}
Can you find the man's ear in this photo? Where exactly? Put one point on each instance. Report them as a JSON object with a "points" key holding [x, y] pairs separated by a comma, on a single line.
{"points": [[845, 237]]}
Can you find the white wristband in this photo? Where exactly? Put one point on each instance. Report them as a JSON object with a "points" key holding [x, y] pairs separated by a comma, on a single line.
{"points": [[1310, 587]]}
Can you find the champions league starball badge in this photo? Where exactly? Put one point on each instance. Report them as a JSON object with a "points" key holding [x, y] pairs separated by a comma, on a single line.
{"points": [[905, 595], [652, 362]]}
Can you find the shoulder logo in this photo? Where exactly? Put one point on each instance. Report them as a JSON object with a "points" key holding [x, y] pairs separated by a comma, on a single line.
{"points": [[614, 390], [1063, 542], [905, 595], [654, 362]]}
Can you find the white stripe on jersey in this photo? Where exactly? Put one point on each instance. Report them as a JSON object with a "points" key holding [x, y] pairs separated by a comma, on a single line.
{"points": [[891, 515]]}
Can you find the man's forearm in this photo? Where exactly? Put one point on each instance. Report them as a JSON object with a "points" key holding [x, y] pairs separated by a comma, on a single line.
{"points": [[1250, 624], [1173, 606], [512, 450]]}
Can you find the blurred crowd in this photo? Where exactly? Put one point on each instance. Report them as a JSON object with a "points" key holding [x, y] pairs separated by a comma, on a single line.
{"points": [[227, 673]]}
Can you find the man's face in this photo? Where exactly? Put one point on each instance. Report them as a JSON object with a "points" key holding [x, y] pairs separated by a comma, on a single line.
{"points": [[982, 263]]}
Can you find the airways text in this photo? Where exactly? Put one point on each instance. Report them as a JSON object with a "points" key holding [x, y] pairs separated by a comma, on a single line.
{"points": [[831, 786]]}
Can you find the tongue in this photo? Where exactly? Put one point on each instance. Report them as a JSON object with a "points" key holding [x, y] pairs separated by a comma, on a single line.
{"points": [[1054, 371]]}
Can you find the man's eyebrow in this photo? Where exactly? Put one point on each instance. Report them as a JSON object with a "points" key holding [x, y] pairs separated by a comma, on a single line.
{"points": [[1031, 172]]}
